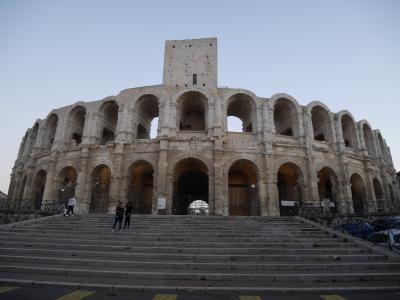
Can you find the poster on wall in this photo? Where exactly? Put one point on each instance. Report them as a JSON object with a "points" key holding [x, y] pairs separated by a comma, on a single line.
{"points": [[161, 203]]}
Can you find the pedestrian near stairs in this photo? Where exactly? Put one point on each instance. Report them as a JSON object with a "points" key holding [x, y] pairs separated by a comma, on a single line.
{"points": [[71, 205], [119, 216], [128, 211]]}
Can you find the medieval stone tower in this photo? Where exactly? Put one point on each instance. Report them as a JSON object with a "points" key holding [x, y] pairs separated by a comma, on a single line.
{"points": [[287, 155]]}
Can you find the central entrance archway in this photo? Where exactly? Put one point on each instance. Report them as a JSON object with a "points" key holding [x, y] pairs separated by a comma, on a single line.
{"points": [[190, 184], [242, 189], [140, 190], [289, 189], [101, 181]]}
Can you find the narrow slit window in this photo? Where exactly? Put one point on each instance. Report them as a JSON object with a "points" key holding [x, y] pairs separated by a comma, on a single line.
{"points": [[194, 79]]}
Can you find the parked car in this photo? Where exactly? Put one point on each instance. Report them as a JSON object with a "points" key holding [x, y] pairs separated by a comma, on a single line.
{"points": [[359, 229]]}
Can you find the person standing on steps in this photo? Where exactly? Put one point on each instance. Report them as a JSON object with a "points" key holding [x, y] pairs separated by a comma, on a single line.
{"points": [[71, 205], [119, 215], [128, 211]]}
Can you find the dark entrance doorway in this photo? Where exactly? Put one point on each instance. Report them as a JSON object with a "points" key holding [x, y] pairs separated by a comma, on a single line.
{"points": [[289, 189], [140, 190], [242, 189], [101, 180], [191, 183]]}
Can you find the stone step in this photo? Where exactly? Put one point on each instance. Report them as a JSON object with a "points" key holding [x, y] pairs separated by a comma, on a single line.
{"points": [[214, 277], [199, 244], [188, 250], [125, 255], [167, 266]]}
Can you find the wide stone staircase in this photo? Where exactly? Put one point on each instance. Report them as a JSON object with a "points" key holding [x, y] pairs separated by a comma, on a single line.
{"points": [[202, 254]]}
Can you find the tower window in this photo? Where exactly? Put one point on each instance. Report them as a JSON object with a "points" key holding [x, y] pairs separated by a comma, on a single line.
{"points": [[194, 79]]}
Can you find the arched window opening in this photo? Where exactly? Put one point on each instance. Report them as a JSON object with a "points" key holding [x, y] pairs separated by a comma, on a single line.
{"points": [[285, 117], [241, 107], [50, 131], [369, 140], [147, 117], [190, 184], [235, 124], [65, 185], [192, 110], [289, 189], [349, 131], [379, 195], [109, 117], [321, 123], [76, 123], [39, 184], [140, 190], [327, 188], [243, 189], [101, 181], [359, 194]]}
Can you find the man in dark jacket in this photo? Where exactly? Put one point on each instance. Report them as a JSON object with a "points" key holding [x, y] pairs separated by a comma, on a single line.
{"points": [[128, 211], [119, 215]]}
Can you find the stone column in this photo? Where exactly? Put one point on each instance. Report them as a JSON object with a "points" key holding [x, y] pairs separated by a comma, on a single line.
{"points": [[82, 197], [162, 180], [272, 187], [27, 195], [49, 196], [116, 178], [90, 131]]}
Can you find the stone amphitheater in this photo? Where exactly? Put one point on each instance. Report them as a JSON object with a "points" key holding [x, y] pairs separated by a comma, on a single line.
{"points": [[287, 155]]}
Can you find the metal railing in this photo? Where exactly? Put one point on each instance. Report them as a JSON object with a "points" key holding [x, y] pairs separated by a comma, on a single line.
{"points": [[21, 210]]}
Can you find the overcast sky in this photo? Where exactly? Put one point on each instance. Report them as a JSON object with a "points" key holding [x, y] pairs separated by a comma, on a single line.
{"points": [[54, 53]]}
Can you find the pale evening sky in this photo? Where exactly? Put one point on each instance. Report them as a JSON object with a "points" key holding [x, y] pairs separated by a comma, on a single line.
{"points": [[54, 53]]}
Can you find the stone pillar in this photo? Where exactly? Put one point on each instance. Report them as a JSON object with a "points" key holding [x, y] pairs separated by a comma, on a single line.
{"points": [[370, 188], [221, 202], [49, 196], [27, 195], [162, 181], [116, 178], [90, 131], [82, 197]]}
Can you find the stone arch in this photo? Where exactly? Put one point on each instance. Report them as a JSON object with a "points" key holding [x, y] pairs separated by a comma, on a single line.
{"points": [[359, 194], [50, 129], [286, 117], [379, 194], [290, 188], [39, 183], [349, 130], [23, 145], [321, 122], [76, 123], [100, 189], [328, 186], [192, 111], [21, 190], [140, 187], [108, 121], [243, 190], [190, 183], [65, 183], [243, 107], [147, 109], [368, 136], [34, 135]]}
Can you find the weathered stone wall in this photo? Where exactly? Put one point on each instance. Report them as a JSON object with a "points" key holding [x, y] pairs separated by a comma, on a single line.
{"points": [[313, 142]]}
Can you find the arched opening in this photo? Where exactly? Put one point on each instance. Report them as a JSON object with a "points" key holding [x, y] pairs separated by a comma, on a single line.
{"points": [[65, 183], [101, 181], [327, 188], [190, 184], [241, 107], [369, 140], [76, 123], [50, 131], [349, 131], [243, 189], [285, 117], [109, 121], [289, 189], [358, 193], [39, 184], [33, 137], [321, 123], [192, 112], [147, 117], [379, 195], [234, 124], [140, 190]]}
